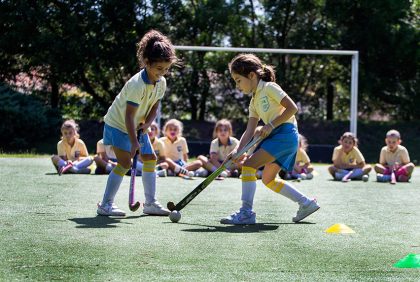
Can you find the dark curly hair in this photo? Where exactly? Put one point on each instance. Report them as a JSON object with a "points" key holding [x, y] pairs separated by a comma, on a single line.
{"points": [[155, 47], [243, 64]]}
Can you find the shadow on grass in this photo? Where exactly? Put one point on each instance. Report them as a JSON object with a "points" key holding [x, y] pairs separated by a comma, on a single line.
{"points": [[256, 228], [102, 221], [97, 222]]}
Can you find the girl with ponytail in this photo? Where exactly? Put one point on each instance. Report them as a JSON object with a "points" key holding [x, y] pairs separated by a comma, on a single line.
{"points": [[278, 148]]}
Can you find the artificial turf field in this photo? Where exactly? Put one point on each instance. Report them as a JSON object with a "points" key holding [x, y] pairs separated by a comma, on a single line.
{"points": [[49, 231]]}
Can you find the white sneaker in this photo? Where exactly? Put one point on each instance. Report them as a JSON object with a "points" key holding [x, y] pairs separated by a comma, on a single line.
{"points": [[109, 209], [365, 177], [155, 209], [241, 217], [303, 176], [201, 172], [224, 174], [161, 173], [307, 210]]}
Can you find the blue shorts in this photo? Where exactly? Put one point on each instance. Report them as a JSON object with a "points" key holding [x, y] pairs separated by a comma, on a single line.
{"points": [[117, 138], [180, 163], [282, 144]]}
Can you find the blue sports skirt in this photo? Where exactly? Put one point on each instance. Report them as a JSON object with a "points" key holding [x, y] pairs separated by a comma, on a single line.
{"points": [[117, 138], [282, 144]]}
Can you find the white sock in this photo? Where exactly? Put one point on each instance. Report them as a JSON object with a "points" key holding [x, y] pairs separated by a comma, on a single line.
{"points": [[248, 192], [357, 173], [177, 169], [293, 194], [149, 184], [83, 163], [61, 163]]}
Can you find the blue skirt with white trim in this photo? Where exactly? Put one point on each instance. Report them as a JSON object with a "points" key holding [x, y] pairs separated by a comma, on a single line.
{"points": [[282, 144]]}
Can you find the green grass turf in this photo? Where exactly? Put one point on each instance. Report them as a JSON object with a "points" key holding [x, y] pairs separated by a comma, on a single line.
{"points": [[49, 231]]}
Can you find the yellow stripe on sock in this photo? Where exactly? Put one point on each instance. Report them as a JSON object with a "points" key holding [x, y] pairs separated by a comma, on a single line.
{"points": [[276, 185], [248, 174], [119, 170], [149, 166]]}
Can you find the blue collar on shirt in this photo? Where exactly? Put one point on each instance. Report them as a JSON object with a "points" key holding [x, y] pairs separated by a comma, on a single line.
{"points": [[229, 142], [144, 76]]}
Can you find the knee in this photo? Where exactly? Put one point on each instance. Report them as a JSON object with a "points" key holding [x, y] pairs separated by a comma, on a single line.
{"points": [[202, 158], [149, 157], [367, 168], [266, 180], [410, 167]]}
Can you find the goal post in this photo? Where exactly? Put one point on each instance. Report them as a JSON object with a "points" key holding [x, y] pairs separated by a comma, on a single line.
{"points": [[354, 67]]}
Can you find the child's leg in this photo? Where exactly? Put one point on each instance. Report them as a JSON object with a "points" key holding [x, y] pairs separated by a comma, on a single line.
{"points": [[380, 168], [280, 186], [151, 205], [84, 163], [359, 172], [149, 177], [194, 165], [403, 174], [207, 164], [332, 170], [116, 176], [101, 165], [57, 161], [176, 168]]}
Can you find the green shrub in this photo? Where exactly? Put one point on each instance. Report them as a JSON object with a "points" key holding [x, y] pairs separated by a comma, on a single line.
{"points": [[26, 120]]}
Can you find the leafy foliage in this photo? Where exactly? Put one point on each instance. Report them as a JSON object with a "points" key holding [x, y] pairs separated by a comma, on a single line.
{"points": [[25, 120], [91, 44]]}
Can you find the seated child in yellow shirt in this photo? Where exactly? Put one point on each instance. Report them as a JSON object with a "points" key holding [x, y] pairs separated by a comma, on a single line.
{"points": [[348, 161], [176, 149], [158, 147], [220, 147], [395, 157], [105, 158], [72, 155], [303, 168]]}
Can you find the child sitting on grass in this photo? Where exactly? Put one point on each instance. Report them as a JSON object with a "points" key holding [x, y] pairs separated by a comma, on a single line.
{"points": [[303, 168], [72, 155], [105, 158], [395, 157], [158, 147], [176, 149], [348, 161], [220, 147]]}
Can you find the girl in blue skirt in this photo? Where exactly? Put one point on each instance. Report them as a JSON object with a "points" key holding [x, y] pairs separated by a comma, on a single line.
{"points": [[278, 149]]}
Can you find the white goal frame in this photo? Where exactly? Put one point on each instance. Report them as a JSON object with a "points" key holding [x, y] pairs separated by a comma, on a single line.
{"points": [[354, 67]]}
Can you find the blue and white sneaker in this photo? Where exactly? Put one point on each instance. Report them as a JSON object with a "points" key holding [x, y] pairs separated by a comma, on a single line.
{"points": [[383, 177], [306, 210], [243, 216]]}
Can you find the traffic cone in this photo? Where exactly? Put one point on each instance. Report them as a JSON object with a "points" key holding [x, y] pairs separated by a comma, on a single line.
{"points": [[410, 261], [339, 228]]}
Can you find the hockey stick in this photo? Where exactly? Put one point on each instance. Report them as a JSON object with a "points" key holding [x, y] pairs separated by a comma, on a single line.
{"points": [[206, 182], [346, 177], [65, 168], [133, 206], [393, 177]]}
